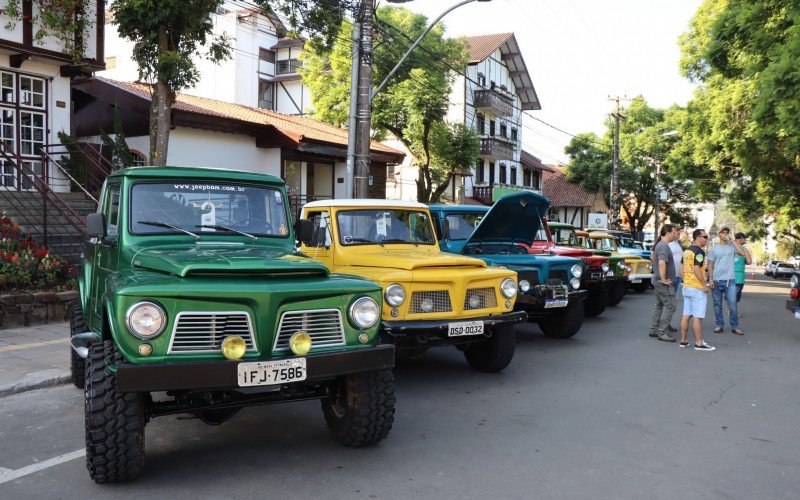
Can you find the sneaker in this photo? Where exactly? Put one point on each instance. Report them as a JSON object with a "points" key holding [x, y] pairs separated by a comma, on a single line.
{"points": [[703, 347], [652, 334], [666, 337], [684, 343]]}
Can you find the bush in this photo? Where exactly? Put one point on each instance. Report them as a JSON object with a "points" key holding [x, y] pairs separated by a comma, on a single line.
{"points": [[25, 266]]}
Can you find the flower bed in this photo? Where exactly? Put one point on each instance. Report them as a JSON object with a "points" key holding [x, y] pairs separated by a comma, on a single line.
{"points": [[26, 266]]}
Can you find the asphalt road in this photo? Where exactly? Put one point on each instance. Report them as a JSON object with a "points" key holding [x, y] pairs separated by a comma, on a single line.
{"points": [[610, 413]]}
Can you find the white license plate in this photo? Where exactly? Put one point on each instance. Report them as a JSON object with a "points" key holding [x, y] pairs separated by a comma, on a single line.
{"points": [[463, 328], [271, 372], [636, 281], [551, 303]]}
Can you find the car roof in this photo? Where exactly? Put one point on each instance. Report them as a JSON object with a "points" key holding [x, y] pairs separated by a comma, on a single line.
{"points": [[365, 203], [205, 173]]}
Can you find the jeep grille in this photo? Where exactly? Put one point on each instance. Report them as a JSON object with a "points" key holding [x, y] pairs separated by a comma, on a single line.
{"points": [[640, 268], [486, 298], [531, 276], [205, 331], [440, 300], [323, 325], [559, 274]]}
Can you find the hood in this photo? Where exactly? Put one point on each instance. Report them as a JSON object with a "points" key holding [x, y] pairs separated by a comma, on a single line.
{"points": [[183, 260], [410, 260], [570, 251], [515, 218]]}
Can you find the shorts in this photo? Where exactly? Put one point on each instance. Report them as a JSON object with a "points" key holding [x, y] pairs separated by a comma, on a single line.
{"points": [[694, 302]]}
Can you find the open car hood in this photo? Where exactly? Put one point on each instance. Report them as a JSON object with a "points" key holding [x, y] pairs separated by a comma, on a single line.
{"points": [[514, 218], [184, 260]]}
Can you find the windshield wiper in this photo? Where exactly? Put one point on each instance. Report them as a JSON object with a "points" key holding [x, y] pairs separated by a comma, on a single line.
{"points": [[356, 239], [230, 229], [169, 226], [398, 240]]}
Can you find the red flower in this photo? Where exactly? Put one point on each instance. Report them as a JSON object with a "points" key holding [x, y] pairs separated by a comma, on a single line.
{"points": [[15, 259], [41, 253]]}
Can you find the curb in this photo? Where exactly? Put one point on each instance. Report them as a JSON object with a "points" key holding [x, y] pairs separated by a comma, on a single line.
{"points": [[36, 380]]}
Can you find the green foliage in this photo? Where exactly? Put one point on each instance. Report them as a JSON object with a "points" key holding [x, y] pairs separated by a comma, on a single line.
{"points": [[318, 19], [645, 140], [75, 162], [121, 155], [413, 102], [741, 127], [67, 21], [24, 265]]}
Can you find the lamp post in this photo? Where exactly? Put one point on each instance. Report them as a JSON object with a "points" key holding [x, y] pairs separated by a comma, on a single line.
{"points": [[361, 113]]}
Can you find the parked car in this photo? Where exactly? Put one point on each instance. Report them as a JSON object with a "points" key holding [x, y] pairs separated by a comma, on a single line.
{"points": [[770, 267], [431, 298], [550, 285], [191, 287], [626, 243], [559, 239], [630, 271], [783, 270]]}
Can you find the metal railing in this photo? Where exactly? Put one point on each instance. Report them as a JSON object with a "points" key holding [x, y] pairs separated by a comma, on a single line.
{"points": [[287, 66]]}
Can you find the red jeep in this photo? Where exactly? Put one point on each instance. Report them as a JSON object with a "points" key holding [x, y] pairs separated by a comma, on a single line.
{"points": [[559, 239]]}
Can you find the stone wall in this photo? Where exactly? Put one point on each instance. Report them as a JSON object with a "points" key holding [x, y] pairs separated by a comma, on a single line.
{"points": [[36, 308]]}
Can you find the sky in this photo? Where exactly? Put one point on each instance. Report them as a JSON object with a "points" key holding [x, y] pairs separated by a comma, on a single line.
{"points": [[579, 54]]}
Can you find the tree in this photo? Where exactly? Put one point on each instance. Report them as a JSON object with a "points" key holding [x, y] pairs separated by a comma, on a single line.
{"points": [[644, 142], [167, 35], [741, 127], [412, 106]]}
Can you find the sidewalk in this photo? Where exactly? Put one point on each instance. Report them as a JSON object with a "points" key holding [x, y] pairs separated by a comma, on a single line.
{"points": [[33, 357]]}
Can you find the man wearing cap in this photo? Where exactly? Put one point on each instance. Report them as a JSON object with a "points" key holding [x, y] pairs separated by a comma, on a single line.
{"points": [[739, 261], [722, 279]]}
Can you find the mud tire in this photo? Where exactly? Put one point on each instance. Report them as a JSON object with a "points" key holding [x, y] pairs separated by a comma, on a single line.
{"points": [[564, 325], [114, 421], [617, 293], [362, 413], [495, 353], [77, 365], [596, 302]]}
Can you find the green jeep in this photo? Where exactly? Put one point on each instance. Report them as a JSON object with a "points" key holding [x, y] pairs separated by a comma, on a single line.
{"points": [[194, 300]]}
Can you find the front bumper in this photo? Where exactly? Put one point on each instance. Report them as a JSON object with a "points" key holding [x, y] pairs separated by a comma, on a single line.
{"points": [[223, 374], [393, 331], [640, 278], [534, 306]]}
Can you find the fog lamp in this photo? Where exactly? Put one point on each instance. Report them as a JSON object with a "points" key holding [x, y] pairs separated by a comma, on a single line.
{"points": [[575, 282], [300, 343], [145, 350], [363, 338], [604, 266], [474, 301], [426, 305], [233, 347], [524, 285], [508, 304]]}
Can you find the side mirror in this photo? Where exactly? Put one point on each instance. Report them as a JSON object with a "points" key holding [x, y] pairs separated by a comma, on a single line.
{"points": [[96, 225], [304, 231]]}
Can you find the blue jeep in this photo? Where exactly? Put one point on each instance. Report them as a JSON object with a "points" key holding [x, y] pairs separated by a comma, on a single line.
{"points": [[548, 284]]}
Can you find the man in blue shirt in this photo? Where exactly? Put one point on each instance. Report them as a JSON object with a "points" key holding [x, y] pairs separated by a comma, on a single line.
{"points": [[722, 279]]}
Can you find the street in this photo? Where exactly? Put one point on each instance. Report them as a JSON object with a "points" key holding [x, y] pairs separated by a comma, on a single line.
{"points": [[610, 413]]}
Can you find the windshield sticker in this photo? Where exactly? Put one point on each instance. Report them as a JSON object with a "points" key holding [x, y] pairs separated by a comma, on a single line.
{"points": [[209, 187], [283, 230], [380, 226], [209, 216], [278, 198]]}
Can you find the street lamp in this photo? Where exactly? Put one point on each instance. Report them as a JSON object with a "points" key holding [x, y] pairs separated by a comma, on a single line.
{"points": [[361, 113]]}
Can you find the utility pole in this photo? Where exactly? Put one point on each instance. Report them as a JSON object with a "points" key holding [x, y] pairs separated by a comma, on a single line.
{"points": [[364, 109], [657, 200], [355, 66], [614, 195]]}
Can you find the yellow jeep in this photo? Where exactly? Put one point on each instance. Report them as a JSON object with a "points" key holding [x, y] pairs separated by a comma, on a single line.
{"points": [[641, 270], [430, 298]]}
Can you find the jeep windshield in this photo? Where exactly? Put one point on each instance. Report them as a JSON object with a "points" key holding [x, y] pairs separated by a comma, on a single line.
{"points": [[382, 226], [609, 244], [208, 208], [564, 236]]}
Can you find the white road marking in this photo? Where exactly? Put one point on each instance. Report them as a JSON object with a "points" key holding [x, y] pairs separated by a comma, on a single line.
{"points": [[7, 475]]}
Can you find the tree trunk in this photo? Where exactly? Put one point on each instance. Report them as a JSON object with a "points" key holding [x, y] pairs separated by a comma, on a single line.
{"points": [[160, 109], [440, 189]]}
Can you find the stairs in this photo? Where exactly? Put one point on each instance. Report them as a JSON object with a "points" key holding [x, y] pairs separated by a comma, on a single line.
{"points": [[26, 208]]}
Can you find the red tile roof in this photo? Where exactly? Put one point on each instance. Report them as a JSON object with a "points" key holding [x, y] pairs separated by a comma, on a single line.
{"points": [[530, 161], [297, 128], [563, 193], [482, 46]]}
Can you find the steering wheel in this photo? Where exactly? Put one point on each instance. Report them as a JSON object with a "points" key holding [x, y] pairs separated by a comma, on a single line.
{"points": [[253, 225]]}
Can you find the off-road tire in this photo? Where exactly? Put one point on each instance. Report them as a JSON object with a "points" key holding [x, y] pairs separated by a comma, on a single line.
{"points": [[596, 302], [77, 365], [114, 421], [564, 325], [362, 412], [640, 287], [617, 293], [495, 353]]}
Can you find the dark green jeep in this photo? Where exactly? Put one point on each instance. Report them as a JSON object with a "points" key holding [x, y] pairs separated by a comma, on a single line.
{"points": [[194, 300]]}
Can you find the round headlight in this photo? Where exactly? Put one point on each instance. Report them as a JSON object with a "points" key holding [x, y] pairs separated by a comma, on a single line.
{"points": [[576, 270], [524, 285], [364, 312], [604, 266], [650, 268], [575, 282], [621, 265], [793, 281], [394, 295], [146, 320], [508, 287]]}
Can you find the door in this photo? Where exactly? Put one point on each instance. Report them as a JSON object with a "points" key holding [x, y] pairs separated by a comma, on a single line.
{"points": [[105, 254]]}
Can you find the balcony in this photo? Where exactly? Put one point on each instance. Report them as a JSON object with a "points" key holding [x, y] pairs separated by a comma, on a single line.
{"points": [[493, 102], [489, 194], [287, 66], [497, 147]]}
